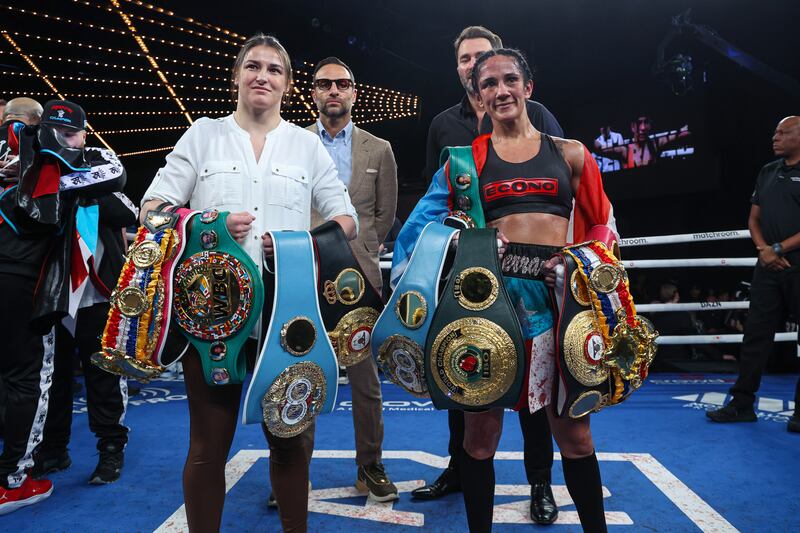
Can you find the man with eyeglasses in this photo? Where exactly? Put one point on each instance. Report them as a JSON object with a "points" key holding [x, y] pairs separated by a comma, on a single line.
{"points": [[367, 167]]}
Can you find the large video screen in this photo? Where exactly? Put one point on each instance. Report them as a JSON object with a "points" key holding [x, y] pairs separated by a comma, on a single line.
{"points": [[648, 143], [640, 144]]}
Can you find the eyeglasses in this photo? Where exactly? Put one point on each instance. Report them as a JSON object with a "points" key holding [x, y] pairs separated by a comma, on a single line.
{"points": [[324, 84]]}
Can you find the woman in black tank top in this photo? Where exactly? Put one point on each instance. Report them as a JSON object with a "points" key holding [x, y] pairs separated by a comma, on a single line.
{"points": [[527, 199], [541, 184]]}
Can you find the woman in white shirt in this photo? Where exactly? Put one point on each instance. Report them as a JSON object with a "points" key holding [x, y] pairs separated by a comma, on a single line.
{"points": [[268, 173]]}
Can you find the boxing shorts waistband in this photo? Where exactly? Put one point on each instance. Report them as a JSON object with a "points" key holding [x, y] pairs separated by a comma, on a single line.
{"points": [[525, 261]]}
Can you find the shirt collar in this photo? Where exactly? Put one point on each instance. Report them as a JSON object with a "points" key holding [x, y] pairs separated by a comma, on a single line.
{"points": [[465, 108], [346, 133], [787, 168], [241, 131]]}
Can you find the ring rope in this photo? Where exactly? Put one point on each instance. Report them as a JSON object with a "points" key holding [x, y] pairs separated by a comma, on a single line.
{"points": [[789, 336], [695, 306], [686, 237], [706, 262]]}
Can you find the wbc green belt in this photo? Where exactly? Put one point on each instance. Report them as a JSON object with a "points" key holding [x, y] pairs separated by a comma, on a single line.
{"points": [[218, 297], [474, 353]]}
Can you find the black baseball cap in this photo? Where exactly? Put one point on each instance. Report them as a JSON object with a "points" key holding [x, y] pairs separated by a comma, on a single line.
{"points": [[64, 113]]}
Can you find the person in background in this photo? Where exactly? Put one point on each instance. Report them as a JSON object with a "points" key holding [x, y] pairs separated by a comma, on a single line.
{"points": [[106, 394], [366, 166], [774, 224]]}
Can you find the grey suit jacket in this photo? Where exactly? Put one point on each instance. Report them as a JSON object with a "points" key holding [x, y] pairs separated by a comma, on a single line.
{"points": [[373, 191]]}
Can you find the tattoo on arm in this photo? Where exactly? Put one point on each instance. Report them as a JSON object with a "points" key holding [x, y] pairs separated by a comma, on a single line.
{"points": [[560, 144]]}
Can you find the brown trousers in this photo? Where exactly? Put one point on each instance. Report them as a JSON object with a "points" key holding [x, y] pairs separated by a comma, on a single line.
{"points": [[213, 416]]}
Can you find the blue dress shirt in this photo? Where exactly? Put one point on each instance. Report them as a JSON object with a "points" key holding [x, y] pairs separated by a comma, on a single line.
{"points": [[340, 149]]}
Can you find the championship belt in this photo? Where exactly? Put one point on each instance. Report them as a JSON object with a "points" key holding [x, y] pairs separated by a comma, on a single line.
{"points": [[399, 335], [218, 298], [603, 348], [136, 332], [349, 303], [474, 353], [296, 374], [464, 186]]}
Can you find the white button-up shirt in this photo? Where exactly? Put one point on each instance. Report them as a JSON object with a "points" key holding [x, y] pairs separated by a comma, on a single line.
{"points": [[213, 165]]}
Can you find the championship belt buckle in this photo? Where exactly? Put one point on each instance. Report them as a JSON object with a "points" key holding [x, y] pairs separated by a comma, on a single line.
{"points": [[352, 336], [403, 362], [294, 399], [214, 295], [632, 349], [473, 361]]}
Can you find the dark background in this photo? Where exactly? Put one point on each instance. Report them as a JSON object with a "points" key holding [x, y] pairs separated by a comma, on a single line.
{"points": [[591, 59]]}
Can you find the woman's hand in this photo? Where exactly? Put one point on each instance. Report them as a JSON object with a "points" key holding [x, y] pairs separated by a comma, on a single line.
{"points": [[549, 271], [502, 241], [267, 246], [239, 225]]}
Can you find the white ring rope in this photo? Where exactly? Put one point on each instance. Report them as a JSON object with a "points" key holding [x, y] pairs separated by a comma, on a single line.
{"points": [[704, 262], [686, 237], [789, 336], [707, 262], [696, 306]]}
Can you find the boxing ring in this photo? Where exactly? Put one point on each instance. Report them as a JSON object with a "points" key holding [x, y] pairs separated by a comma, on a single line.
{"points": [[708, 262]]}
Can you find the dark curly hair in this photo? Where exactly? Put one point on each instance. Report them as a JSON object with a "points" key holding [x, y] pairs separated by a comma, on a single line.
{"points": [[513, 53]]}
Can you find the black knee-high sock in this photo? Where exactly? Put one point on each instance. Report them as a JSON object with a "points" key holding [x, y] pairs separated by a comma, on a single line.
{"points": [[583, 483], [477, 483]]}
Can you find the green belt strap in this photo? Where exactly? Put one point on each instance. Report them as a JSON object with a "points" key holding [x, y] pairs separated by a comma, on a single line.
{"points": [[236, 291], [474, 351], [463, 164]]}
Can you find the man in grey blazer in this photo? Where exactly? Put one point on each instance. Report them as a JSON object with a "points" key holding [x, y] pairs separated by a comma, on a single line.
{"points": [[367, 167]]}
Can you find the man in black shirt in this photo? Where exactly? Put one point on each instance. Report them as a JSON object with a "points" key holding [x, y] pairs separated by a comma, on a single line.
{"points": [[37, 206], [80, 332], [775, 229], [459, 126]]}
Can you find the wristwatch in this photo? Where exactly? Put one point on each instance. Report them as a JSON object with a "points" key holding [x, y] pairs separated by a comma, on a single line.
{"points": [[778, 249]]}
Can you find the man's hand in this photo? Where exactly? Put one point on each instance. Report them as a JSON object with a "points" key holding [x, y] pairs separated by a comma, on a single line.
{"points": [[549, 271], [768, 259], [267, 245], [239, 225], [9, 169]]}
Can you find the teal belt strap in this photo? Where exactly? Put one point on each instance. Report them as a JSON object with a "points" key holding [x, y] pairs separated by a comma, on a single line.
{"points": [[398, 338], [297, 360], [464, 186], [218, 298]]}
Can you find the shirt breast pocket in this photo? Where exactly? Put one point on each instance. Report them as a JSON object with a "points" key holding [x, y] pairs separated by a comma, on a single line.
{"points": [[221, 183], [289, 187]]}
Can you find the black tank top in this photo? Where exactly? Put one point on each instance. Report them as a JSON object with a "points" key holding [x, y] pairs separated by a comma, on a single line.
{"points": [[539, 185]]}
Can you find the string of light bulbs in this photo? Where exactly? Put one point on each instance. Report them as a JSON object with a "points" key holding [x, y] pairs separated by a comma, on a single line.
{"points": [[162, 24]]}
